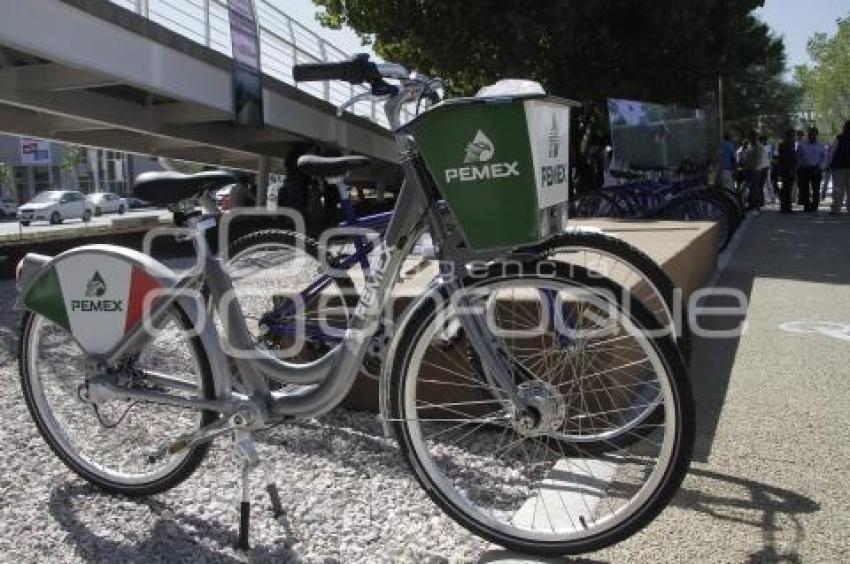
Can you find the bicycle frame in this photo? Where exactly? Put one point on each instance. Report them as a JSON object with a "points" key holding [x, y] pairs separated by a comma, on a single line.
{"points": [[363, 248], [320, 385]]}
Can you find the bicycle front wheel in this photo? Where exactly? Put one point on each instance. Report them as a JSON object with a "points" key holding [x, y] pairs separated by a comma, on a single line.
{"points": [[605, 442]]}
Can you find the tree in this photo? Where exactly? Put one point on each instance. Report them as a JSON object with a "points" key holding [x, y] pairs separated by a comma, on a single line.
{"points": [[664, 51], [69, 161], [827, 82], [7, 176]]}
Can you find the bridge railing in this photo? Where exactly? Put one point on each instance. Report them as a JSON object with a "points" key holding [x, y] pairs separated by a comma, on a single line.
{"points": [[283, 43]]}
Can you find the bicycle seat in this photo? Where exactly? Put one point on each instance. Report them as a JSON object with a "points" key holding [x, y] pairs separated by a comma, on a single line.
{"points": [[329, 167], [169, 187]]}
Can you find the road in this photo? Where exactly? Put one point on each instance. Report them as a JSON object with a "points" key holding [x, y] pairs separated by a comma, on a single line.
{"points": [[11, 227]]}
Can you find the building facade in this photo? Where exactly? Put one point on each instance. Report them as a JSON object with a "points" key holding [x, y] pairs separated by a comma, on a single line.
{"points": [[29, 166]]}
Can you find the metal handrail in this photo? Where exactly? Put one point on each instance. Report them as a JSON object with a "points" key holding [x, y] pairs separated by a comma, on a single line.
{"points": [[284, 42]]}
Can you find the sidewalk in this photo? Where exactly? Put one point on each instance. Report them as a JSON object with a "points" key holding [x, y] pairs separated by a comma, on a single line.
{"points": [[771, 476]]}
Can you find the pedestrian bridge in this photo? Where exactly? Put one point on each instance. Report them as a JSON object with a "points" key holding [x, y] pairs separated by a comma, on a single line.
{"points": [[154, 77]]}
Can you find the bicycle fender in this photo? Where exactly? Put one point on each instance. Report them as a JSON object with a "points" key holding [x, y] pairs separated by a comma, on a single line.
{"points": [[387, 366], [97, 292]]}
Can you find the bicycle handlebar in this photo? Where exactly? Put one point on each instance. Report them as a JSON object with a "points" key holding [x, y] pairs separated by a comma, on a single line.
{"points": [[357, 70]]}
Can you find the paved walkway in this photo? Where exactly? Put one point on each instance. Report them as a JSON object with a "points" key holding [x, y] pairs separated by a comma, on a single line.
{"points": [[771, 482]]}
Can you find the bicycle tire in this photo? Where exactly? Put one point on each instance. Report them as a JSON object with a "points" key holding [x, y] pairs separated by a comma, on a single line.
{"points": [[672, 475], [190, 462], [596, 204], [305, 244], [650, 270], [704, 207]]}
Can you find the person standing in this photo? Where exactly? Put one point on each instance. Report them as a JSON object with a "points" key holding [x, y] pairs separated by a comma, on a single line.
{"points": [[728, 163], [812, 158], [798, 195], [764, 170], [787, 170], [839, 165], [753, 180]]}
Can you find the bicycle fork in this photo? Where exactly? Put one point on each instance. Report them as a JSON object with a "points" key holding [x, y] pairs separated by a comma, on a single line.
{"points": [[494, 360]]}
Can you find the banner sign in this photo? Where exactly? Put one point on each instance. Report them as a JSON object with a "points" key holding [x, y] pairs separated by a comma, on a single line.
{"points": [[654, 136], [34, 151], [247, 75]]}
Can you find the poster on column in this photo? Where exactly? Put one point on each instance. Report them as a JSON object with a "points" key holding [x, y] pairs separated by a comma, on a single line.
{"points": [[247, 75]]}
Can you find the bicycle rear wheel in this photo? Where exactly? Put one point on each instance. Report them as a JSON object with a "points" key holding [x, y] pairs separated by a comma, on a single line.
{"points": [[704, 207], [632, 269], [271, 272], [544, 482], [111, 443], [596, 204]]}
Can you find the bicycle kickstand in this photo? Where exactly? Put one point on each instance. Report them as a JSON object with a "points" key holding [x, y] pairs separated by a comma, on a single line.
{"points": [[243, 441]]}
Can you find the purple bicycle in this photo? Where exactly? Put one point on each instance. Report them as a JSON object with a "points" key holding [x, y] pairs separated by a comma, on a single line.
{"points": [[289, 282]]}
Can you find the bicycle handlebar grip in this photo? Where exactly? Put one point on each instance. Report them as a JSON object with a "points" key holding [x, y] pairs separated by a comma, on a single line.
{"points": [[355, 71]]}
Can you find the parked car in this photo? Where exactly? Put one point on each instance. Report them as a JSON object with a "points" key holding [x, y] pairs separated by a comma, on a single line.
{"points": [[135, 203], [107, 202], [55, 206], [8, 208]]}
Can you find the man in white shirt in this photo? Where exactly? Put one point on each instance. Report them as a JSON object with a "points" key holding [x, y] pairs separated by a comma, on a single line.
{"points": [[764, 169], [811, 154]]}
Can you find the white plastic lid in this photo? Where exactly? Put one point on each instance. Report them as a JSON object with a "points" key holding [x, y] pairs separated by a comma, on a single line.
{"points": [[510, 87]]}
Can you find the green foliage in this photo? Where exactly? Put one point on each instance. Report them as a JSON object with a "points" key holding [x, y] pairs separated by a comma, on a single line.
{"points": [[663, 51], [6, 174], [827, 82], [72, 157]]}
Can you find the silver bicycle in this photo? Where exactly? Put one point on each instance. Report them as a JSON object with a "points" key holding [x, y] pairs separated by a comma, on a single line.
{"points": [[512, 384]]}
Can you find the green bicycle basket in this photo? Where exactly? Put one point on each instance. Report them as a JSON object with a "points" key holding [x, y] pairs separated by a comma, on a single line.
{"points": [[502, 164]]}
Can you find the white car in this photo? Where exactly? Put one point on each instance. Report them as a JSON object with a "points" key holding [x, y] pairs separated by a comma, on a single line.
{"points": [[55, 206], [107, 202], [8, 208]]}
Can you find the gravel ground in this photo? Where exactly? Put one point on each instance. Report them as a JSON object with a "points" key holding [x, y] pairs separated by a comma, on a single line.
{"points": [[348, 496]]}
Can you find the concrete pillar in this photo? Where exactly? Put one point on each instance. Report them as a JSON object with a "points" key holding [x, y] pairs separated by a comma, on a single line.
{"points": [[94, 165], [381, 192], [30, 183], [263, 170]]}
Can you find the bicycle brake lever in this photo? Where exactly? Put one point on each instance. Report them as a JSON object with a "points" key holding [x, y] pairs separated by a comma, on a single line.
{"points": [[359, 98]]}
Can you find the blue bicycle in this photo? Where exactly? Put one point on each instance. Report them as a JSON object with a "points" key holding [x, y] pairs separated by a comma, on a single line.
{"points": [[293, 287]]}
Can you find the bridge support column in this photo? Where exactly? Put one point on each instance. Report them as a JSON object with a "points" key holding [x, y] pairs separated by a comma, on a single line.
{"points": [[263, 170]]}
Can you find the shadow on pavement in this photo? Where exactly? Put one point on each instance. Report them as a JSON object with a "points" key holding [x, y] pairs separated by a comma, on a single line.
{"points": [[713, 360], [770, 501], [805, 247]]}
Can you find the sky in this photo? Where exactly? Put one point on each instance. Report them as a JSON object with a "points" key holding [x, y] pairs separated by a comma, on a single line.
{"points": [[795, 20], [304, 12]]}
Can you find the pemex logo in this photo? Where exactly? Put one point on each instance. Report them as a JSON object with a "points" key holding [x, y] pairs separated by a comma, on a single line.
{"points": [[480, 149], [478, 152], [554, 139], [95, 287]]}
